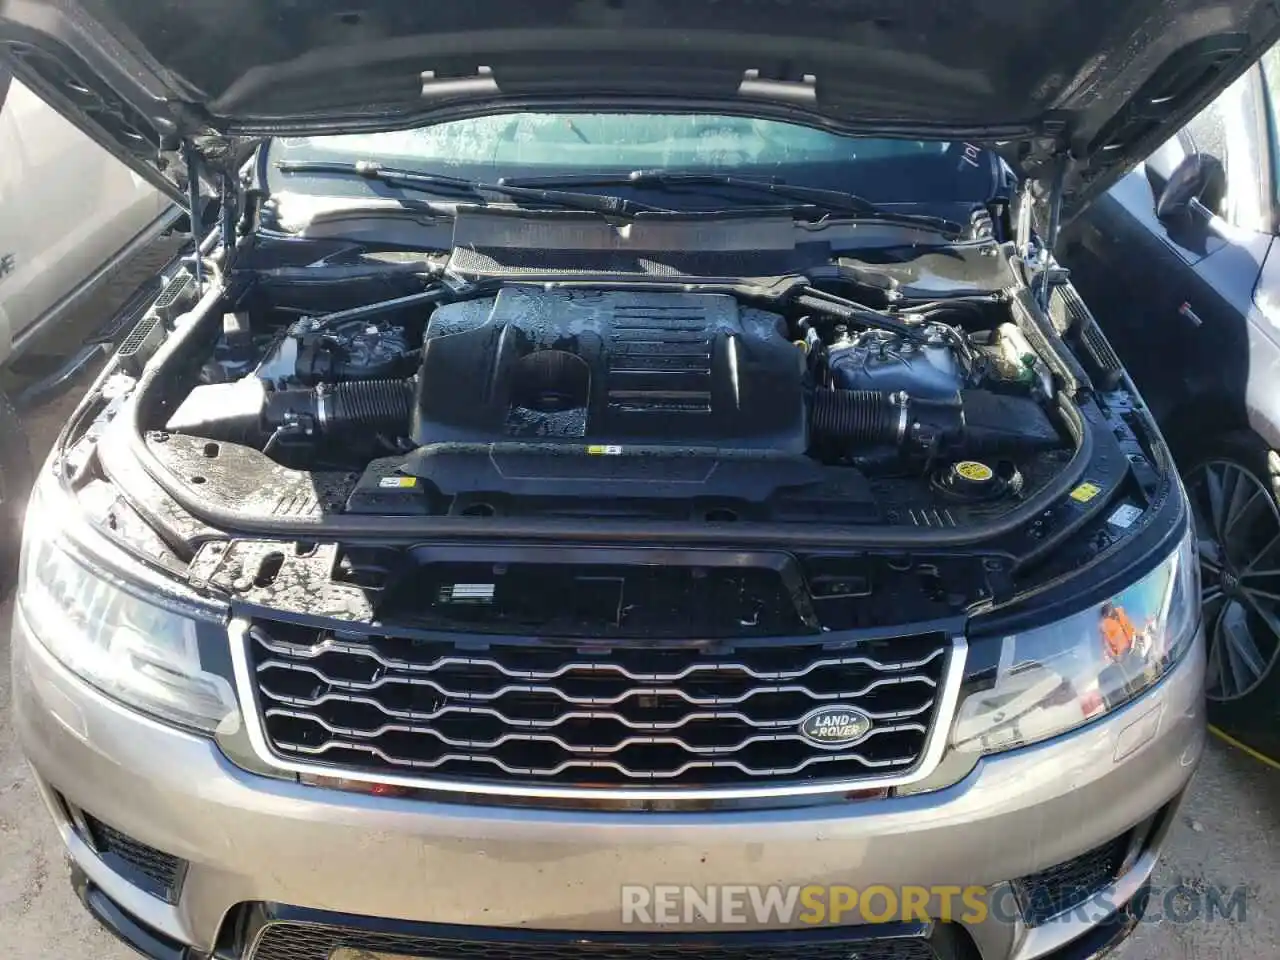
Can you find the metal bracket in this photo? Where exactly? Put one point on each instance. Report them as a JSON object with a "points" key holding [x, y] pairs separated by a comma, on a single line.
{"points": [[1046, 271], [482, 84], [192, 159], [802, 91], [1043, 274], [1022, 229]]}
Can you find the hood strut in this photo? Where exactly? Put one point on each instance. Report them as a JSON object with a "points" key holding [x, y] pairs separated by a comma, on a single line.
{"points": [[1044, 278], [192, 158], [1043, 271]]}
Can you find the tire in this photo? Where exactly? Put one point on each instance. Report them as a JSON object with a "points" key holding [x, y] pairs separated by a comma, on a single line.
{"points": [[16, 473], [1233, 481]]}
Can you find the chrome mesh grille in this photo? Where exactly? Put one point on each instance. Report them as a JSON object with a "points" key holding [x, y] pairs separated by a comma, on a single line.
{"points": [[558, 715]]}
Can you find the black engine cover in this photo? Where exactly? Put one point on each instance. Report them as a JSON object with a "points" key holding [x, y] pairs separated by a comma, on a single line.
{"points": [[585, 369]]}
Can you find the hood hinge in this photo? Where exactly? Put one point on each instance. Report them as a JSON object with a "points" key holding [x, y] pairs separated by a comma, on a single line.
{"points": [[215, 159]]}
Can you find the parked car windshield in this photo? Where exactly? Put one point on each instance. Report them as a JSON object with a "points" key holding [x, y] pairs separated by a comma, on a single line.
{"points": [[546, 144]]}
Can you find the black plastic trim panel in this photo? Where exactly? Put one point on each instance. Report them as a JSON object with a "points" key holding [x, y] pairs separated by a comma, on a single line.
{"points": [[245, 928], [125, 927], [277, 932]]}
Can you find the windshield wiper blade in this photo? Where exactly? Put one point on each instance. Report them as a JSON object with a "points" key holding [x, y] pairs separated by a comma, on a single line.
{"points": [[832, 200], [406, 179], [372, 170]]}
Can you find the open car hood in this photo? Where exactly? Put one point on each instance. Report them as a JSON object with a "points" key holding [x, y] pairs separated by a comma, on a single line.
{"points": [[1103, 81]]}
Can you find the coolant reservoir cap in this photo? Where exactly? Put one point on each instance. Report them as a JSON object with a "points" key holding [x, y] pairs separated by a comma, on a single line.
{"points": [[972, 471], [974, 480]]}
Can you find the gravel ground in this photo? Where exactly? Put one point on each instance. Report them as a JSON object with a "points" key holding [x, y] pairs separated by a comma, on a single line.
{"points": [[1227, 836]]}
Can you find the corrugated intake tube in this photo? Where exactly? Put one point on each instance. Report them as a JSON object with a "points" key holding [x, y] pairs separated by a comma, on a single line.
{"points": [[856, 416], [382, 405]]}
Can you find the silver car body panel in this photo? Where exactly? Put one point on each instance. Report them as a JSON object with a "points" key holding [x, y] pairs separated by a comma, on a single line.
{"points": [[69, 212]]}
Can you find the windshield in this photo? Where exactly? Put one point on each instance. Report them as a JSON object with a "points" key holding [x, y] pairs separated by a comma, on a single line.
{"points": [[546, 144]]}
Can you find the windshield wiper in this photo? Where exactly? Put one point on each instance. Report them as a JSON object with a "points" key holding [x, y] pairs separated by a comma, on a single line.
{"points": [[441, 183], [836, 201]]}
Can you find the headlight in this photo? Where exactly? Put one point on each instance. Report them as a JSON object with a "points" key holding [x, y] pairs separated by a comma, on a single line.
{"points": [[134, 649], [1055, 678]]}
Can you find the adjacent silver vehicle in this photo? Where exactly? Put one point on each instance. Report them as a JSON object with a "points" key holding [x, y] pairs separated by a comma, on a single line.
{"points": [[613, 471], [69, 213]]}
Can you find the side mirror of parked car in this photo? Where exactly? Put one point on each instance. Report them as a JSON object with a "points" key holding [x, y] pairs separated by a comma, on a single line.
{"points": [[1200, 176]]}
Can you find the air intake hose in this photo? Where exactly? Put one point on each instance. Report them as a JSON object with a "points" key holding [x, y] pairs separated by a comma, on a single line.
{"points": [[352, 407], [857, 416], [870, 417]]}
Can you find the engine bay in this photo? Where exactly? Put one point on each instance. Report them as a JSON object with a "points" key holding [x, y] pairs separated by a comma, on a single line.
{"points": [[538, 400], [367, 435]]}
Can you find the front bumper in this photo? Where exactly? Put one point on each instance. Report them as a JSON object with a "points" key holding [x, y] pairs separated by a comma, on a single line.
{"points": [[252, 843], [305, 934]]}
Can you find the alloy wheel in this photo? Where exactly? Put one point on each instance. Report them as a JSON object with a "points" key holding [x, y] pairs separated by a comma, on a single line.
{"points": [[1238, 527]]}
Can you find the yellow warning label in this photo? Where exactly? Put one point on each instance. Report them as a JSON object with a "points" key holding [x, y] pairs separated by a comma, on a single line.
{"points": [[973, 470], [401, 483], [603, 450], [1085, 492]]}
